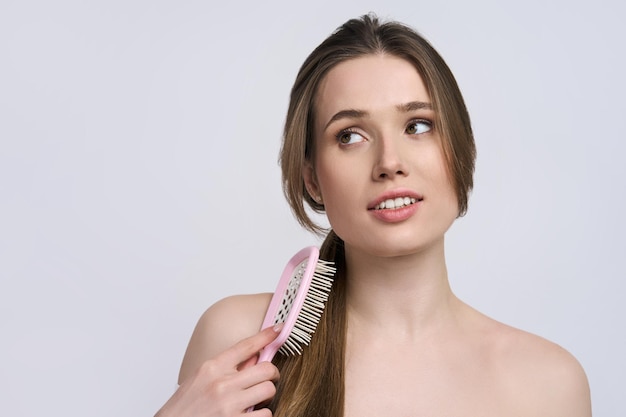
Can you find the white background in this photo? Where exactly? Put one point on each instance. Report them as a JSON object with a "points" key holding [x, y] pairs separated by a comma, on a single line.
{"points": [[139, 182]]}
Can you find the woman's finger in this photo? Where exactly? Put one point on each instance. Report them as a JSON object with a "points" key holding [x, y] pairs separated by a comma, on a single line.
{"points": [[249, 347], [251, 376], [251, 361], [257, 394]]}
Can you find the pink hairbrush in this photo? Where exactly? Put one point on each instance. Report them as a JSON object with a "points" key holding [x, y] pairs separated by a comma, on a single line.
{"points": [[298, 302]]}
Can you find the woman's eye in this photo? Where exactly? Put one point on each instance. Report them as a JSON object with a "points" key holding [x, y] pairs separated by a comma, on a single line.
{"points": [[347, 137], [419, 126]]}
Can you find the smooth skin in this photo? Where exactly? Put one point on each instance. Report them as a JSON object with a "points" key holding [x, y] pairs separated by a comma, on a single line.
{"points": [[219, 375], [413, 348]]}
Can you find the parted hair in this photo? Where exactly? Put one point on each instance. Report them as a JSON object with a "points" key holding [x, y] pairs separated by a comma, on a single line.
{"points": [[312, 384]]}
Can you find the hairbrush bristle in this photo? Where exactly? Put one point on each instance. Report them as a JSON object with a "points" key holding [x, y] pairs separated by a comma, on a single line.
{"points": [[312, 308]]}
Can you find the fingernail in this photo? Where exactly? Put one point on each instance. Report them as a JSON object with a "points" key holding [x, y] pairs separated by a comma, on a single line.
{"points": [[278, 327]]}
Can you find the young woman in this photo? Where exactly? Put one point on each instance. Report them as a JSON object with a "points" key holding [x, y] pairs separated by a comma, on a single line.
{"points": [[377, 136]]}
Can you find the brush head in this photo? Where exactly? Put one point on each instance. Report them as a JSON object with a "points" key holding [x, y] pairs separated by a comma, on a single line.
{"points": [[298, 302]]}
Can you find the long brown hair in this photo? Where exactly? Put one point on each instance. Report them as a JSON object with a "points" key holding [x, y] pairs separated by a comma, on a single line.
{"points": [[313, 384]]}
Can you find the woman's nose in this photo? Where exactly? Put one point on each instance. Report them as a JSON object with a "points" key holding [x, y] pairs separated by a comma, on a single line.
{"points": [[389, 160]]}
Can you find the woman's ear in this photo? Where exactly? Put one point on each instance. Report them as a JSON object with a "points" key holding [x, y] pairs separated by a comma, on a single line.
{"points": [[310, 182]]}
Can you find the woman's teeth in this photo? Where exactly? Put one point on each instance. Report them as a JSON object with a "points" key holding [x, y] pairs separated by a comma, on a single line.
{"points": [[394, 203]]}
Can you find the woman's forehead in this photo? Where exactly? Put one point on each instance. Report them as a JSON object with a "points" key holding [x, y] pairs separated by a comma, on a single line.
{"points": [[370, 83]]}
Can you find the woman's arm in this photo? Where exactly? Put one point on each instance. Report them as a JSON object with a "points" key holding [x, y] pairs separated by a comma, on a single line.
{"points": [[219, 375], [224, 324]]}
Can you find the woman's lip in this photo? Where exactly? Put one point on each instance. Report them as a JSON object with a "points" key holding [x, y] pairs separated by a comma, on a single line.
{"points": [[392, 195], [396, 215]]}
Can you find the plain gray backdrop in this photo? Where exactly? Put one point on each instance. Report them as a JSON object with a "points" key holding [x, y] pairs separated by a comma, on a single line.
{"points": [[139, 180]]}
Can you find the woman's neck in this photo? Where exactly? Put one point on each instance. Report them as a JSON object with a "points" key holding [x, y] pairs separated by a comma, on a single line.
{"points": [[402, 295]]}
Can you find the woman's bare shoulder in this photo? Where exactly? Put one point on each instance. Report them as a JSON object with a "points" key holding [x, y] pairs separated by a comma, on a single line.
{"points": [[221, 326], [544, 377]]}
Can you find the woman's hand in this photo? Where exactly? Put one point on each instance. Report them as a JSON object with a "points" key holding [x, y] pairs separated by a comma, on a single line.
{"points": [[228, 384]]}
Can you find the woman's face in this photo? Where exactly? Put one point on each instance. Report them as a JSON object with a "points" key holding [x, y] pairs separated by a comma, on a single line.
{"points": [[379, 167]]}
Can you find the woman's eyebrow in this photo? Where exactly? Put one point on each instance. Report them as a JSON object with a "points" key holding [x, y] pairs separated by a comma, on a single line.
{"points": [[414, 105], [346, 114], [359, 114]]}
